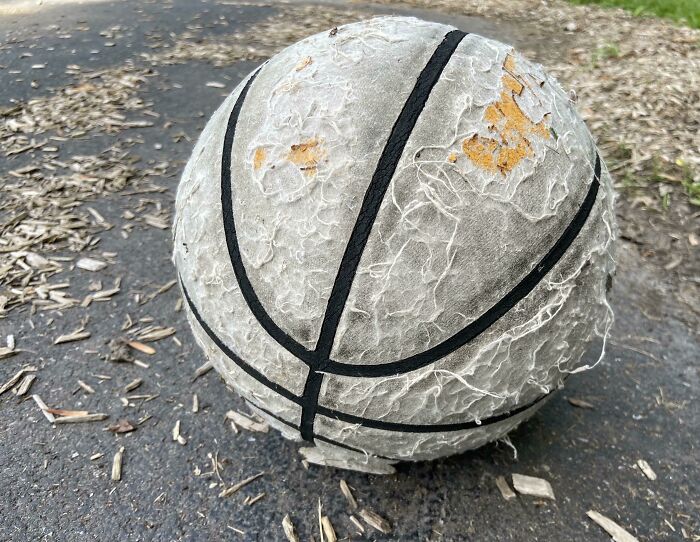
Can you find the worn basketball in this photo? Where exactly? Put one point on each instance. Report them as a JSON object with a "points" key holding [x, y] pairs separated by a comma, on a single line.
{"points": [[394, 242]]}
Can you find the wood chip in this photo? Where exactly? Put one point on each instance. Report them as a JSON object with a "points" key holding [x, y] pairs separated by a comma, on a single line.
{"points": [[95, 457], [23, 387], [345, 490], [86, 387], [580, 403], [177, 437], [617, 533], [133, 384], [328, 530], [202, 370], [90, 264], [356, 523], [117, 465], [235, 487], [6, 352], [255, 499], [529, 485], [195, 403], [246, 423], [15, 378], [97, 417], [77, 335], [44, 408], [646, 469], [289, 531], [375, 520], [506, 492], [65, 412], [156, 333], [144, 348]]}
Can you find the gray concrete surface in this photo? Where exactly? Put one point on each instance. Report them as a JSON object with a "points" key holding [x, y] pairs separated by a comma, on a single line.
{"points": [[645, 393]]}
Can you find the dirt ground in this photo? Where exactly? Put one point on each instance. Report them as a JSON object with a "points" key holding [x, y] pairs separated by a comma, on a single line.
{"points": [[101, 104]]}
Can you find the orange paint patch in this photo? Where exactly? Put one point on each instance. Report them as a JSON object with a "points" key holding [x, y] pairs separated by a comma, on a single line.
{"points": [[259, 158], [480, 150], [306, 155], [511, 129], [452, 157]]}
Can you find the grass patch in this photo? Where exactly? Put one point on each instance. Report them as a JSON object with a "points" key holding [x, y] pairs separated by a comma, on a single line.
{"points": [[686, 11]]}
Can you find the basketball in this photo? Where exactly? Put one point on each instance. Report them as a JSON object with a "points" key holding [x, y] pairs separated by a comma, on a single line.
{"points": [[394, 240]]}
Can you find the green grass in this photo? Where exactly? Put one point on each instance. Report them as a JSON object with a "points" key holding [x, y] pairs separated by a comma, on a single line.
{"points": [[686, 11]]}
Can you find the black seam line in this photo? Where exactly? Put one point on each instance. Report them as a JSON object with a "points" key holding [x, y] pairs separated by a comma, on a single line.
{"points": [[245, 367], [486, 320], [329, 413], [383, 173], [247, 290], [426, 428], [321, 437]]}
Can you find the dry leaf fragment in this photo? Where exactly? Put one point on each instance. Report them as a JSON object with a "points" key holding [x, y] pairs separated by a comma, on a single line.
{"points": [[235, 487], [144, 348], [328, 530], [117, 465], [122, 426], [506, 492], [646, 469], [617, 533], [119, 351], [530, 485], [246, 423], [375, 520], [90, 264], [289, 531], [345, 490]]}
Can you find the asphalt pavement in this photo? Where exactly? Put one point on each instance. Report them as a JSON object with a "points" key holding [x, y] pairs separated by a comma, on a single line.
{"points": [[643, 398]]}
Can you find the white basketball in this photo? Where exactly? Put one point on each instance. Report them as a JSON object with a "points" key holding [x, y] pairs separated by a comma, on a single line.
{"points": [[394, 240]]}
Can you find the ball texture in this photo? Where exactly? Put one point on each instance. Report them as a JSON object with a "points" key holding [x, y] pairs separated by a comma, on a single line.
{"points": [[394, 241]]}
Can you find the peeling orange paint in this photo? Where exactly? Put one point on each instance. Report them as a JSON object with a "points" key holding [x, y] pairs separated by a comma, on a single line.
{"points": [[480, 150], [259, 158], [511, 130], [306, 155]]}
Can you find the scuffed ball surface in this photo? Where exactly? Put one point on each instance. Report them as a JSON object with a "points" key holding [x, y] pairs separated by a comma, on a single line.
{"points": [[491, 178]]}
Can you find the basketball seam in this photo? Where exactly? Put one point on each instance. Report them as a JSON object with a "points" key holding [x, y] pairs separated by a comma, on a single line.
{"points": [[383, 173], [330, 413]]}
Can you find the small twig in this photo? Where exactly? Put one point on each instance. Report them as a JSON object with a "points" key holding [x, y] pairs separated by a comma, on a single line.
{"points": [[235, 487]]}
